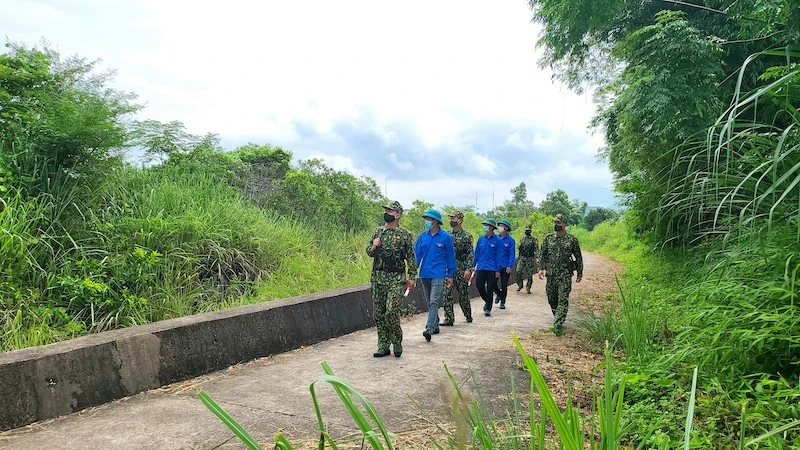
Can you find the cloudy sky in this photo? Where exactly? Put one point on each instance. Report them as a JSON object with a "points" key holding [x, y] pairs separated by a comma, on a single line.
{"points": [[435, 100]]}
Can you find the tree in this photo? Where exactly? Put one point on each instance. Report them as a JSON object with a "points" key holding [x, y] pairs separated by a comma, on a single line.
{"points": [[164, 140], [596, 216], [556, 202], [412, 218], [60, 113]]}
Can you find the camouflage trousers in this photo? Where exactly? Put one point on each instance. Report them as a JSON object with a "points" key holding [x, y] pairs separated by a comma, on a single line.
{"points": [[558, 289], [526, 267], [387, 292], [448, 299]]}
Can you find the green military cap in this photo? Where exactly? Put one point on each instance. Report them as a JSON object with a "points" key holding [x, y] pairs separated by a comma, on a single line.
{"points": [[506, 223], [395, 206], [560, 218], [490, 222], [457, 214], [528, 227]]}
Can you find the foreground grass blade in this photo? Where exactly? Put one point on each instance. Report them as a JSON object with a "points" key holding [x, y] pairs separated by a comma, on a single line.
{"points": [[769, 434], [690, 414], [237, 429]]}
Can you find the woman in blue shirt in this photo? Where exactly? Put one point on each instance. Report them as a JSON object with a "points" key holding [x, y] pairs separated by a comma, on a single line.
{"points": [[486, 269], [436, 259]]}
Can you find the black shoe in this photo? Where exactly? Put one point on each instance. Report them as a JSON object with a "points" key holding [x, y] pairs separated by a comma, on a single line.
{"points": [[529, 291], [519, 288], [559, 331], [502, 306], [446, 324], [427, 334], [469, 319], [398, 350], [435, 331], [497, 299], [381, 352], [487, 313]]}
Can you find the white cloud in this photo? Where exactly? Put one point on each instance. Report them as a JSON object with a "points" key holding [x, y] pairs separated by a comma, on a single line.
{"points": [[401, 165], [256, 70]]}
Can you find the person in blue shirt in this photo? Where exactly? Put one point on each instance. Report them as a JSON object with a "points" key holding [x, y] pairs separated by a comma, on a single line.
{"points": [[506, 258], [487, 270], [436, 260]]}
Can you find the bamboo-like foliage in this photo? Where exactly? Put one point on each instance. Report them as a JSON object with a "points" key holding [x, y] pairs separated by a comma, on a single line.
{"points": [[745, 175]]}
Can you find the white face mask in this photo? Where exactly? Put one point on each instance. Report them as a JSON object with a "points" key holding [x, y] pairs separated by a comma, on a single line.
{"points": [[503, 230]]}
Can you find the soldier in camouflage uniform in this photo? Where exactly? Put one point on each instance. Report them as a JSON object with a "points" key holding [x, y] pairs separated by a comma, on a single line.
{"points": [[392, 250], [462, 241], [526, 267], [556, 260]]}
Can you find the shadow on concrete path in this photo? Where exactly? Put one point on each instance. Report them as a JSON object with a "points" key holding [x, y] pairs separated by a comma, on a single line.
{"points": [[271, 395]]}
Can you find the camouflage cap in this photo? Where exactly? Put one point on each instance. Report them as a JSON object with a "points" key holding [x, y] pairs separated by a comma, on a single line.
{"points": [[457, 214], [561, 218], [394, 206], [528, 227]]}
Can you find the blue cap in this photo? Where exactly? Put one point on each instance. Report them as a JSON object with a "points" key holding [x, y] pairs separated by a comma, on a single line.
{"points": [[433, 214]]}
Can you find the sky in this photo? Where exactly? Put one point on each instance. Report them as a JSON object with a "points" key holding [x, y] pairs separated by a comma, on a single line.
{"points": [[440, 101]]}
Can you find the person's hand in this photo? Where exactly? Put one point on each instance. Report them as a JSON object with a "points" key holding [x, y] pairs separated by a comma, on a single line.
{"points": [[376, 242], [541, 274], [410, 283], [467, 274], [497, 274], [448, 282], [508, 269], [578, 279]]}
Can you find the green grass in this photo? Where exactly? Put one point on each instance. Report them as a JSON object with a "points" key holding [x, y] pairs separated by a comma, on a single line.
{"points": [[151, 245]]}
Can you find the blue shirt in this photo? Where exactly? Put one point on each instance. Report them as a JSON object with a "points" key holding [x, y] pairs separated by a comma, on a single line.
{"points": [[436, 257], [508, 250], [487, 252]]}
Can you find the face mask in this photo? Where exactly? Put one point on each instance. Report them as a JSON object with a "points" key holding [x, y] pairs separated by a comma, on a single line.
{"points": [[485, 229], [527, 232], [388, 217], [453, 223], [503, 230], [428, 225], [558, 227]]}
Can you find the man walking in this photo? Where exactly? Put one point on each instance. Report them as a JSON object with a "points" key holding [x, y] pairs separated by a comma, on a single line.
{"points": [[505, 260], [436, 260], [392, 253], [560, 256], [486, 269], [526, 267], [462, 242]]}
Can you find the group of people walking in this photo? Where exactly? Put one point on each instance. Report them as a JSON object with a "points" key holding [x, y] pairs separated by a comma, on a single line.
{"points": [[445, 263]]}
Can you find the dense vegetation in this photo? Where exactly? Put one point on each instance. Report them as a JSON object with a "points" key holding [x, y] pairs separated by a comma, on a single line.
{"points": [[699, 104], [90, 243]]}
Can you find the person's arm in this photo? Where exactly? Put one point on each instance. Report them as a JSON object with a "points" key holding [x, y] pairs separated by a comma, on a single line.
{"points": [[478, 252], [411, 262], [417, 247], [450, 257], [374, 243], [578, 259], [544, 255], [512, 253], [535, 256]]}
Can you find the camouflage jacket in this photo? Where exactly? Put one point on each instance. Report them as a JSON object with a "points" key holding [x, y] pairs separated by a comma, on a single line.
{"points": [[462, 242], [395, 252], [555, 255], [528, 247]]}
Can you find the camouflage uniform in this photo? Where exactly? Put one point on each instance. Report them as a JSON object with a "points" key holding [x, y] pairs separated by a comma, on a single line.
{"points": [[554, 260], [462, 242], [388, 279], [526, 267]]}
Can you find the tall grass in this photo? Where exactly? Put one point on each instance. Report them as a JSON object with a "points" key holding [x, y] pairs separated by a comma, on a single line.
{"points": [[151, 245]]}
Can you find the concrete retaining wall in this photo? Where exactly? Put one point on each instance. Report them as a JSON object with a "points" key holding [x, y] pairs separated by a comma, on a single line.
{"points": [[57, 379]]}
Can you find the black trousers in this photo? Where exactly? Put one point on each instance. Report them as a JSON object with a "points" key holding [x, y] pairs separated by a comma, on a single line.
{"points": [[486, 286], [502, 286]]}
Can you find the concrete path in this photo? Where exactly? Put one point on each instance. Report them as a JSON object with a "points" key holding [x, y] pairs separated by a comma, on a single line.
{"points": [[271, 395]]}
